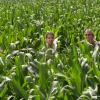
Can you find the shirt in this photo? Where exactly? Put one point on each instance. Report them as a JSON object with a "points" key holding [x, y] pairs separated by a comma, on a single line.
{"points": [[49, 52]]}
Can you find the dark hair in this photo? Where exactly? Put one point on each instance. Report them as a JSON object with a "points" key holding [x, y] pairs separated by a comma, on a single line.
{"points": [[49, 33]]}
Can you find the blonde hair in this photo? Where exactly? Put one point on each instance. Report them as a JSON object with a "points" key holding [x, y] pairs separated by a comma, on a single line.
{"points": [[49, 33], [89, 30]]}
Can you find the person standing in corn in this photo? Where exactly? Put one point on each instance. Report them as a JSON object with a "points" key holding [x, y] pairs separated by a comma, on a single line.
{"points": [[90, 38], [49, 49], [94, 45]]}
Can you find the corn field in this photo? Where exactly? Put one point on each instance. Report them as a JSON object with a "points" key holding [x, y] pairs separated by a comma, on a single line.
{"points": [[73, 74]]}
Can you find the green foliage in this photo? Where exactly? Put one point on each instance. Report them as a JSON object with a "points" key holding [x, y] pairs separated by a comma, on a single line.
{"points": [[72, 74]]}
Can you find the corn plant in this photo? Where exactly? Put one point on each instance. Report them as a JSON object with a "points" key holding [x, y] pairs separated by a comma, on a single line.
{"points": [[72, 74]]}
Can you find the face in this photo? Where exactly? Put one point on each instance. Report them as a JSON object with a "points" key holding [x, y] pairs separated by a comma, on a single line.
{"points": [[89, 36], [50, 39]]}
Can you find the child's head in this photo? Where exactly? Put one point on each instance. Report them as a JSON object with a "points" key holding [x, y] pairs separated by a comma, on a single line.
{"points": [[49, 38]]}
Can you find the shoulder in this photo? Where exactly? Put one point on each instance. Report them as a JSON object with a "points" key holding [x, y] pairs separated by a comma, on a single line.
{"points": [[97, 42], [82, 41]]}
